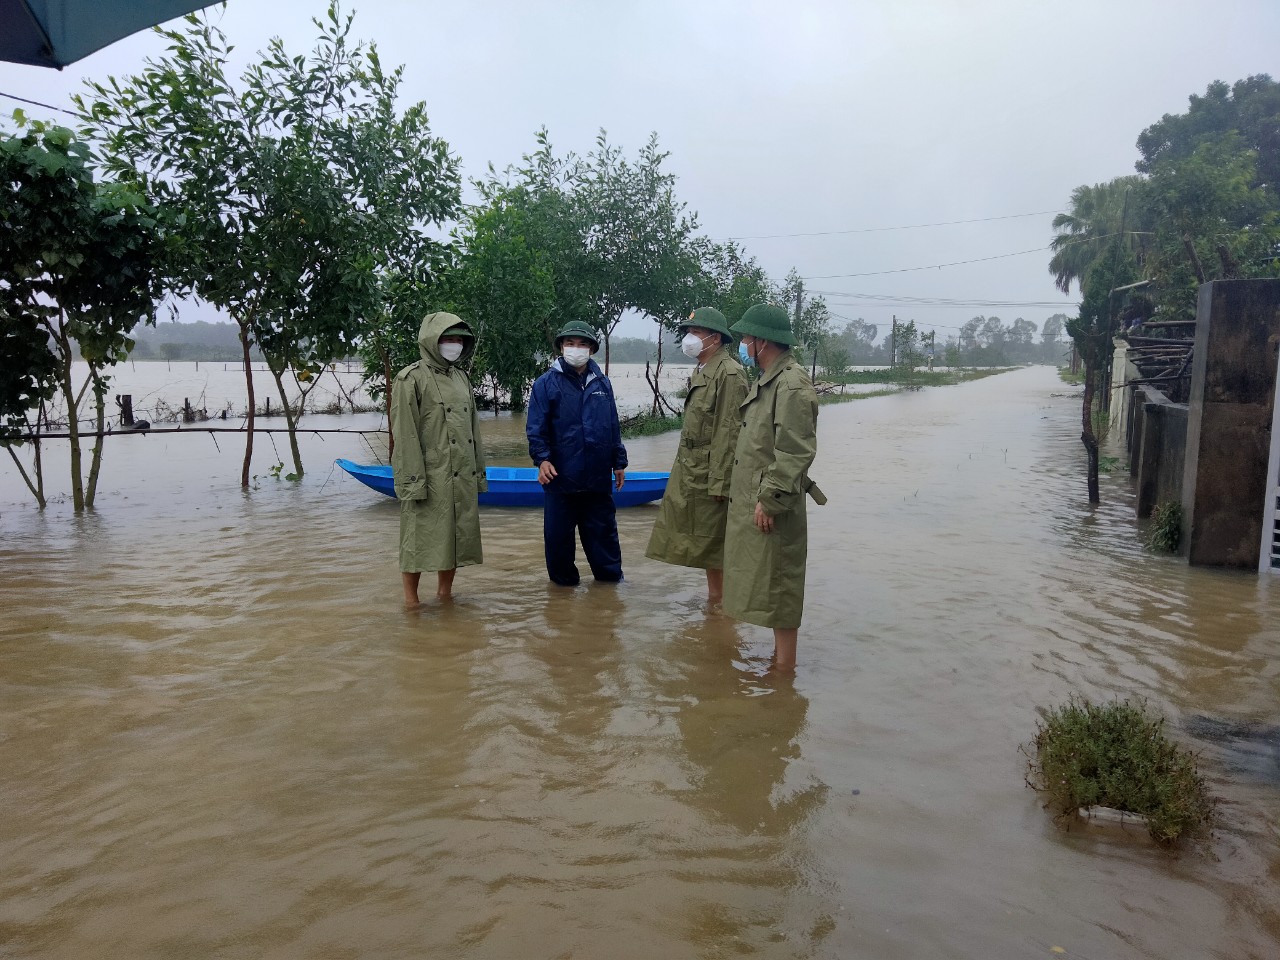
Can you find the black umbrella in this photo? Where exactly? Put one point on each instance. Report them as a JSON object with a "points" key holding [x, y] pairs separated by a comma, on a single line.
{"points": [[53, 33]]}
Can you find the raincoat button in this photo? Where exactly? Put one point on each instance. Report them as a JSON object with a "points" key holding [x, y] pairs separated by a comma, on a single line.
{"points": [[448, 409]]}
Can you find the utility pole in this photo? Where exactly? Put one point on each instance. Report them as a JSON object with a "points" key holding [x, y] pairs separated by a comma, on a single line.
{"points": [[932, 335], [795, 327], [893, 344]]}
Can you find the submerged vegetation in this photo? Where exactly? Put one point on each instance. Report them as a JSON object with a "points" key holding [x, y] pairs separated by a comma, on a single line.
{"points": [[1117, 755], [648, 425], [1164, 535]]}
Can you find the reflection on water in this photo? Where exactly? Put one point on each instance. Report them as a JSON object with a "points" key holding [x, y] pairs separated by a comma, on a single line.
{"points": [[223, 737]]}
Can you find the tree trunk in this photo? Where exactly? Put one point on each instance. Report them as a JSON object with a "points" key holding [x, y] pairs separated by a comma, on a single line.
{"points": [[1087, 436], [657, 373], [248, 379], [36, 487], [73, 423], [386, 396], [100, 406], [290, 418], [1194, 257]]}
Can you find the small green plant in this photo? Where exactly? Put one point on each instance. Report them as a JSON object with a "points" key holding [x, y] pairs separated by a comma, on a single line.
{"points": [[646, 425], [1107, 464], [1117, 755], [1165, 532], [1066, 376], [275, 469]]}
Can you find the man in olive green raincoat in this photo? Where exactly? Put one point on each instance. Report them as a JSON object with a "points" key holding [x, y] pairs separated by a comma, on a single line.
{"points": [[438, 461], [690, 527], [767, 536]]}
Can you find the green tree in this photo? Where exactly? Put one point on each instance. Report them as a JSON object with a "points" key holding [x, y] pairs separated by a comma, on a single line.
{"points": [[1095, 216], [78, 268], [1021, 339], [859, 337], [612, 229], [814, 329], [734, 281], [1092, 332], [28, 375], [907, 354], [638, 236], [506, 285], [296, 194], [1211, 221]]}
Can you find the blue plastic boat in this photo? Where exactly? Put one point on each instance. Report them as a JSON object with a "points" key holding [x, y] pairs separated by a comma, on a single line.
{"points": [[517, 486]]}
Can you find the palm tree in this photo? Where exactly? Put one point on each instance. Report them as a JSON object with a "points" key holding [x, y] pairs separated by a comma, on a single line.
{"points": [[1096, 214]]}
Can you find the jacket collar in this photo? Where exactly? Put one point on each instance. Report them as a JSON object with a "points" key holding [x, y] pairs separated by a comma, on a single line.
{"points": [[787, 359], [717, 359], [591, 371]]}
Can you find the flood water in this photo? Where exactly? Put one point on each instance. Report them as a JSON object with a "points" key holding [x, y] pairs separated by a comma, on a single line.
{"points": [[222, 736]]}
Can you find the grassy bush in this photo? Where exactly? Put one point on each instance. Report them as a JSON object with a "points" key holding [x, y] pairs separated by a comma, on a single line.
{"points": [[1165, 531], [1066, 376], [1116, 755], [926, 378], [646, 425]]}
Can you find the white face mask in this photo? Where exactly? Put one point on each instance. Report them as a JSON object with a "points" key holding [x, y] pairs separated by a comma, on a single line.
{"points": [[692, 345], [451, 351], [577, 356]]}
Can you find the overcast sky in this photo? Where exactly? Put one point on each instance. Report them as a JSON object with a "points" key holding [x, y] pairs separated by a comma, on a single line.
{"points": [[804, 117]]}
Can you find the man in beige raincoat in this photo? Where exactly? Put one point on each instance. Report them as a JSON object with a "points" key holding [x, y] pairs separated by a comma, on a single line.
{"points": [[690, 527], [438, 460], [767, 535]]}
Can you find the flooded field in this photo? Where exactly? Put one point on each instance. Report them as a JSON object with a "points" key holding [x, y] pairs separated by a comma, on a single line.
{"points": [[160, 388], [221, 735]]}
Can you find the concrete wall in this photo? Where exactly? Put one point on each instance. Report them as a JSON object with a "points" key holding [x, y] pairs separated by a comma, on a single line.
{"points": [[1228, 437], [1158, 448]]}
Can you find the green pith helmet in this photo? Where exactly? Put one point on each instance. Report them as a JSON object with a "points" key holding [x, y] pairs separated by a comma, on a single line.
{"points": [[708, 318], [767, 322], [576, 328]]}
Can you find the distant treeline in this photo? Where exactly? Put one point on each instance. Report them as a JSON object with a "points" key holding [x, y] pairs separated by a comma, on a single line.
{"points": [[190, 341], [221, 341]]}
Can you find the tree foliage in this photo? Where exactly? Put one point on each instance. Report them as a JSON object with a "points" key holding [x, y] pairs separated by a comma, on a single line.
{"points": [[1203, 206], [78, 267], [297, 191]]}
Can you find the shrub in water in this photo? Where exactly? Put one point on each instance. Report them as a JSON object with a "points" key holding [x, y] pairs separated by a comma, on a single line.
{"points": [[1116, 755], [1165, 532]]}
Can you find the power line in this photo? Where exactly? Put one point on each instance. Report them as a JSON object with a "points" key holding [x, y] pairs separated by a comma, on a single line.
{"points": [[932, 266], [910, 226], [958, 263], [937, 301], [37, 103]]}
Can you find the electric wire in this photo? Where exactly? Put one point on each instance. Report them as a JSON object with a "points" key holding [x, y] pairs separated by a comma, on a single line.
{"points": [[909, 226]]}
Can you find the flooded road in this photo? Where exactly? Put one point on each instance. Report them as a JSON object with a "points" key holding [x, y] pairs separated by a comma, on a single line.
{"points": [[221, 736]]}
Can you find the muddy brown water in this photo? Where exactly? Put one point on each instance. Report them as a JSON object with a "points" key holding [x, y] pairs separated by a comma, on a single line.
{"points": [[221, 736]]}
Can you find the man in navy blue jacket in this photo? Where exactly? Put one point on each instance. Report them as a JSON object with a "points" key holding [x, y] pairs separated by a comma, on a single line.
{"points": [[576, 444]]}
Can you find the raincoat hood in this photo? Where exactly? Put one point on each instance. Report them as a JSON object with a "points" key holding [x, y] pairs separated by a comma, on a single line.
{"points": [[433, 327]]}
